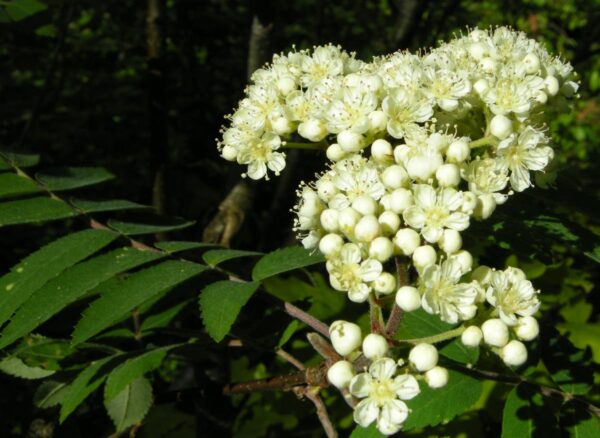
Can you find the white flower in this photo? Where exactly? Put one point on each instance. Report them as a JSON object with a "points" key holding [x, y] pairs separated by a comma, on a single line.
{"points": [[351, 111], [433, 211], [444, 295], [446, 86], [325, 61], [487, 176], [348, 274], [405, 110], [355, 177], [259, 153], [512, 295], [381, 392], [521, 154]]}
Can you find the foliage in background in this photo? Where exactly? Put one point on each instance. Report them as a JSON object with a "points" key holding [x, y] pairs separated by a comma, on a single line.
{"points": [[74, 90]]}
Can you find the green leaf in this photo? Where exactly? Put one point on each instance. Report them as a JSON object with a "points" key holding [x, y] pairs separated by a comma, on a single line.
{"points": [[420, 324], [46, 263], [70, 286], [123, 298], [553, 226], [366, 432], [220, 304], [433, 406], [86, 382], [50, 393], [8, 159], [177, 246], [156, 225], [14, 185], [132, 369], [20, 9], [517, 420], [163, 318], [216, 256], [68, 178], [39, 209], [112, 205], [288, 333], [284, 260], [131, 405], [594, 254], [578, 422], [16, 367]]}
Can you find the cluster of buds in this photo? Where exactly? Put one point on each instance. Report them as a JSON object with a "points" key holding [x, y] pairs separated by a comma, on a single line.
{"points": [[419, 146]]}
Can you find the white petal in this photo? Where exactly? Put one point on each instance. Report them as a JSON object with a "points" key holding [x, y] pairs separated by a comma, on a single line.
{"points": [[370, 270], [366, 412], [414, 216], [360, 385], [359, 293], [425, 196], [257, 169], [383, 368], [432, 234], [406, 386]]}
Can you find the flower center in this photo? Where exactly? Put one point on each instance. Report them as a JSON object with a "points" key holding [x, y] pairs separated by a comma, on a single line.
{"points": [[382, 391]]}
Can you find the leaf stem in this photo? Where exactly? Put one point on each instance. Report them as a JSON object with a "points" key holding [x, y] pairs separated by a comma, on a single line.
{"points": [[483, 141], [441, 337], [308, 146]]}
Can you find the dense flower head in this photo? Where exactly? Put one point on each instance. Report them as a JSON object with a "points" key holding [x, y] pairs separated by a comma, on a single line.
{"points": [[419, 146]]}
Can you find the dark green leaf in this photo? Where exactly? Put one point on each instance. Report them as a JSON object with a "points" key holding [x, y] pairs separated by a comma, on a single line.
{"points": [[284, 260], [40, 209], [157, 225], [70, 286], [516, 418], [113, 205], [366, 432], [12, 184], [220, 304], [433, 406], [68, 178], [50, 393], [163, 318], [216, 256], [16, 367], [117, 301], [132, 369], [21, 9], [7, 159], [46, 263], [131, 405], [177, 246]]}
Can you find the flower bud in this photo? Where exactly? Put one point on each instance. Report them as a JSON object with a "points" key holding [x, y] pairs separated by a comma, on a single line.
{"points": [[381, 249], [465, 260], [472, 336], [448, 175], [486, 204], [501, 126], [374, 346], [495, 332], [350, 141], [436, 377], [365, 205], [330, 244], [329, 220], [458, 151], [527, 328], [424, 256], [377, 121], [482, 274], [394, 177], [282, 125], [345, 337], [423, 167], [348, 218], [389, 221], [481, 86], [531, 63], [229, 153], [407, 240], [488, 65], [286, 85], [540, 97], [340, 374], [450, 242], [400, 200], [552, 85], [326, 189], [313, 130], [478, 50], [335, 152], [381, 150], [423, 357], [385, 283], [514, 353], [367, 228], [408, 298]]}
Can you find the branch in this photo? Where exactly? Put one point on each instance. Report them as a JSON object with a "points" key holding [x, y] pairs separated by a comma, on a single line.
{"points": [[321, 411], [396, 315], [324, 348]]}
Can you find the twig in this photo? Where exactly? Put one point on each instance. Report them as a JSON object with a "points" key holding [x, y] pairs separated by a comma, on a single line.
{"points": [[321, 412], [289, 358], [395, 317], [324, 348], [375, 316]]}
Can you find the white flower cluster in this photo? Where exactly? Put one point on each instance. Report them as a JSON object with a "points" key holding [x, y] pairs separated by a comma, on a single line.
{"points": [[419, 146]]}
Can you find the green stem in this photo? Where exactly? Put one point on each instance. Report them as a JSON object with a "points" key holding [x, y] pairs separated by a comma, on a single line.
{"points": [[309, 146], [436, 338], [484, 141]]}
